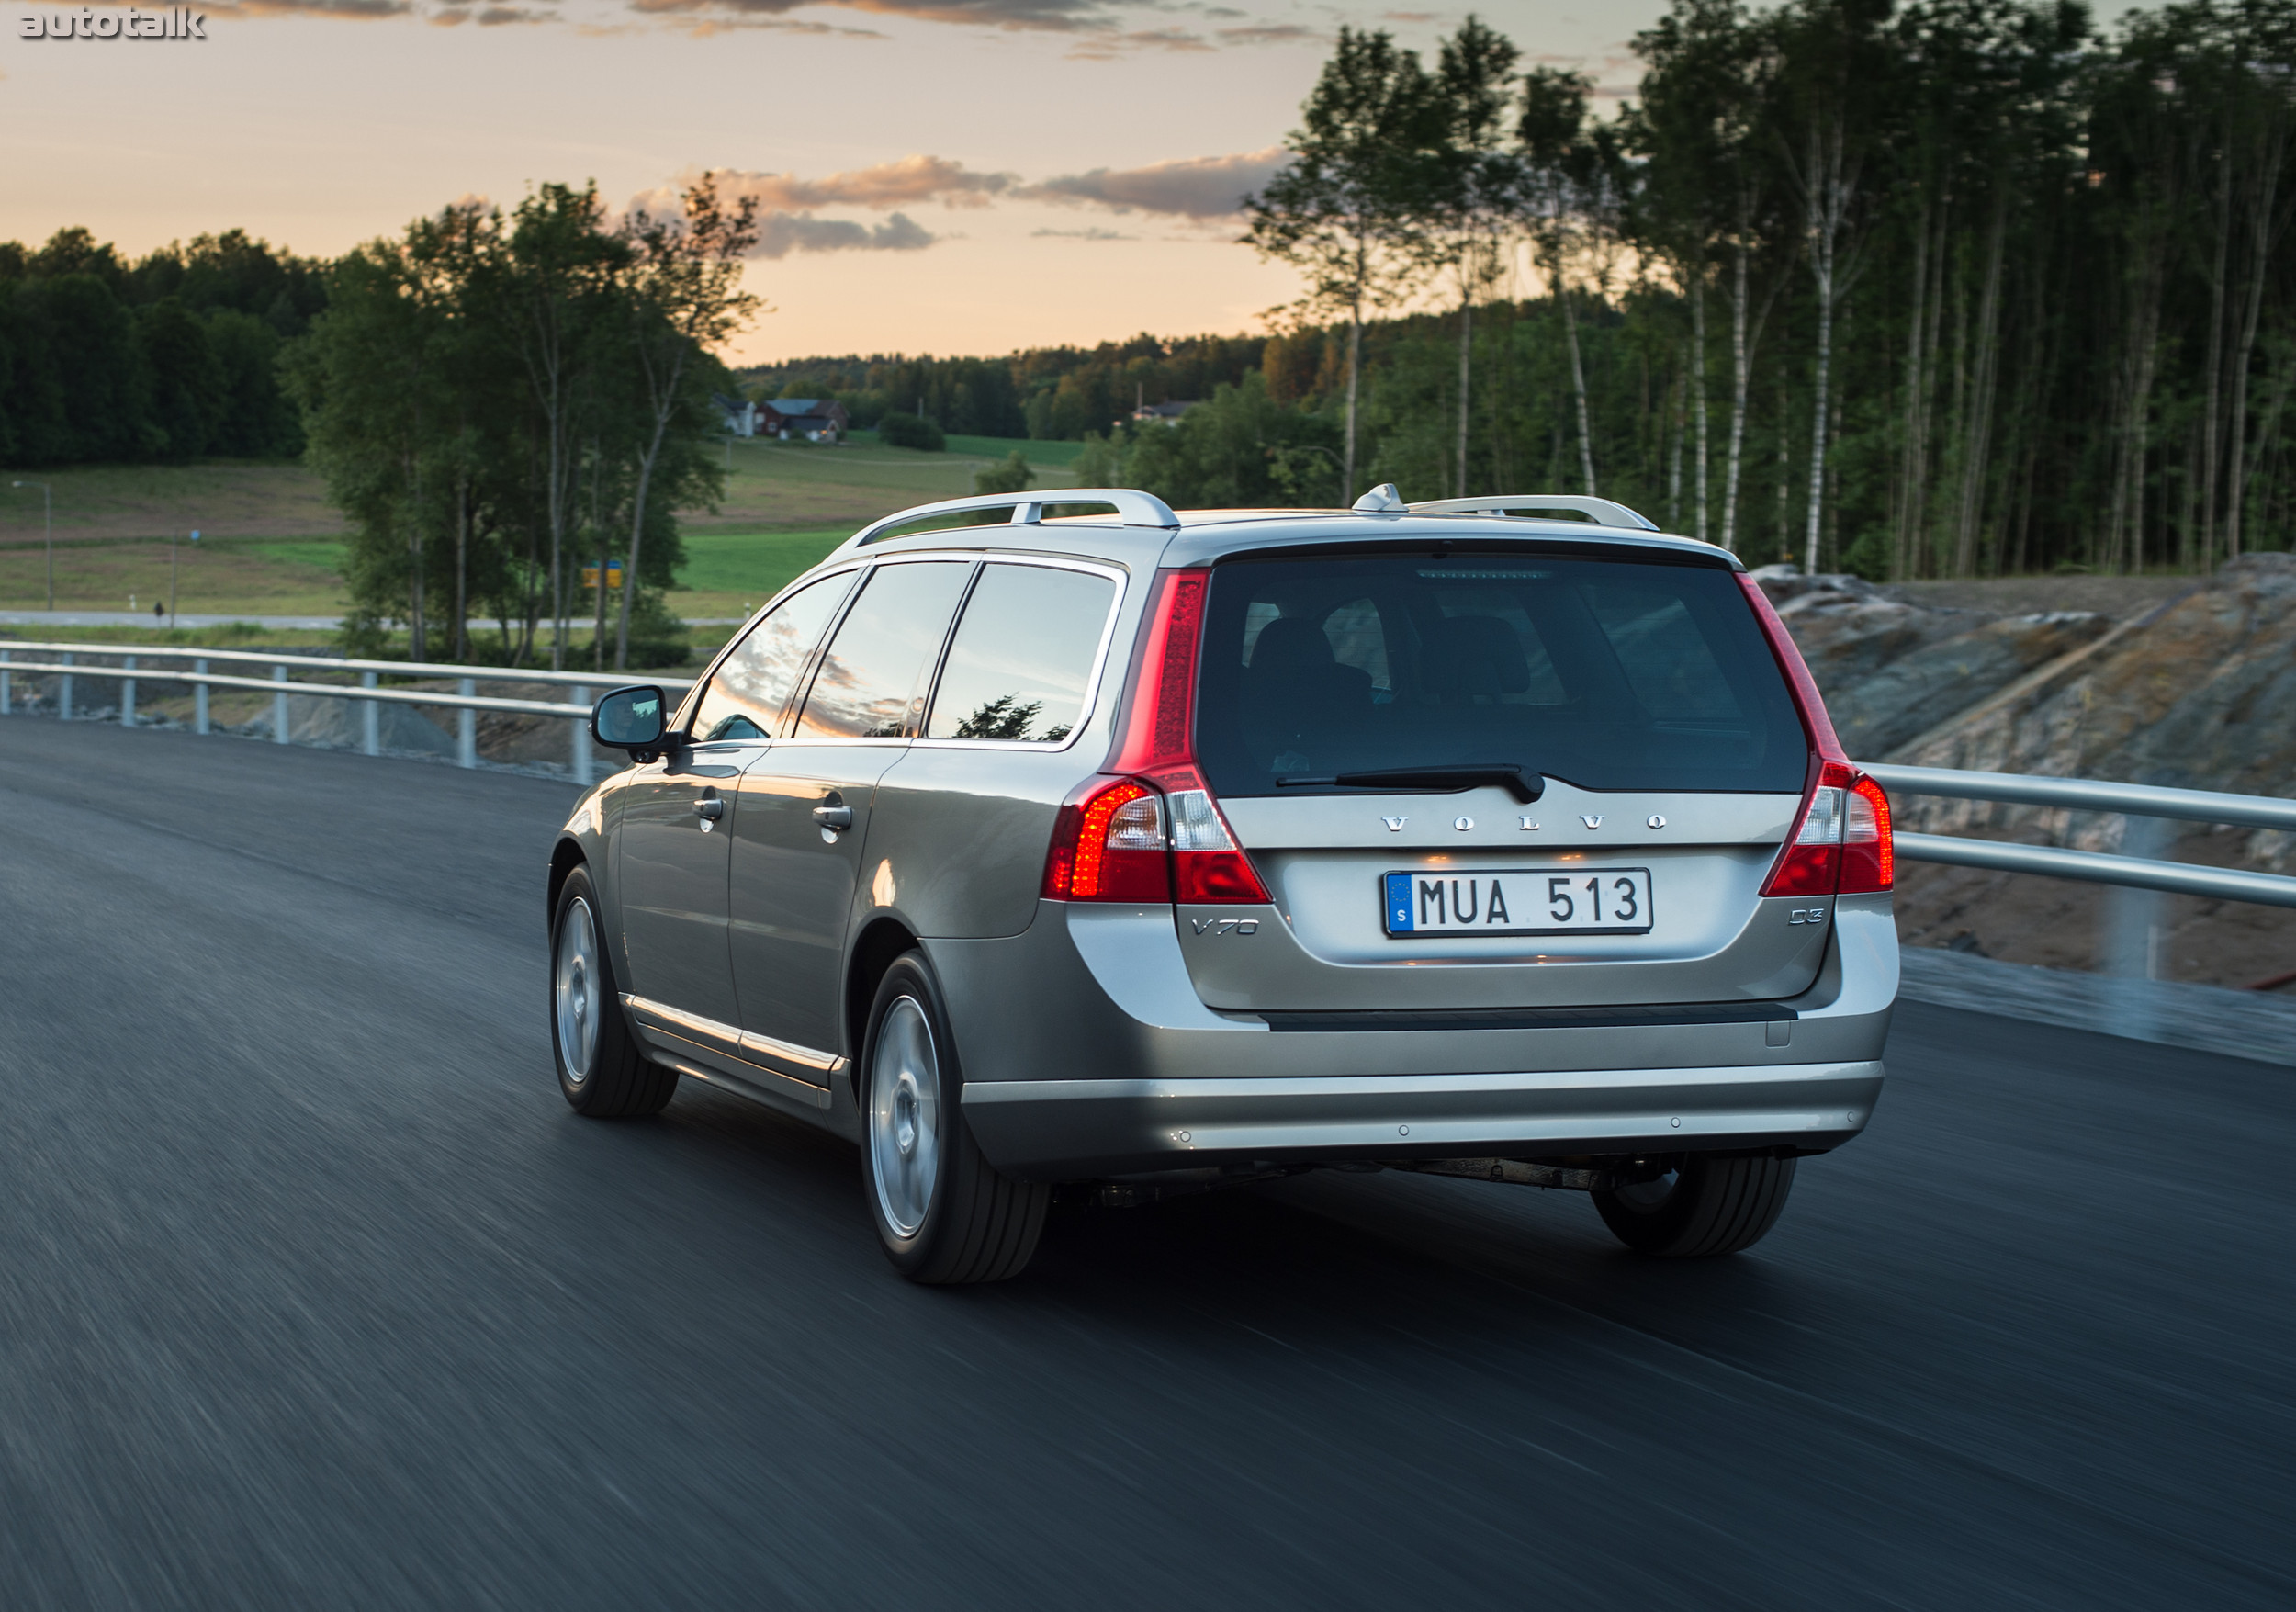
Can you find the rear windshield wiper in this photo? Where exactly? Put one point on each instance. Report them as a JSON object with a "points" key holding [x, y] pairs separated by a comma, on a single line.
{"points": [[1518, 781]]}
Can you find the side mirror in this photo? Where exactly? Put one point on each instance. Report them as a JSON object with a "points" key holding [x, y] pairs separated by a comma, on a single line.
{"points": [[629, 719]]}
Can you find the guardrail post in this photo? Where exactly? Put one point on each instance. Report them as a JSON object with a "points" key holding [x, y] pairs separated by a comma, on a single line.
{"points": [[128, 694], [466, 750], [64, 697], [279, 707], [581, 741], [6, 707], [370, 718], [200, 699], [2133, 929]]}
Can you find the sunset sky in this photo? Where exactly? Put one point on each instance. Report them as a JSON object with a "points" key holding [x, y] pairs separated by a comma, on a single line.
{"points": [[943, 175]]}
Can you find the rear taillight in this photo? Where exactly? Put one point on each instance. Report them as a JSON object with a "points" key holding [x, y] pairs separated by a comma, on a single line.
{"points": [[1153, 833], [1869, 853], [1841, 844], [1207, 864], [1811, 863], [1108, 845]]}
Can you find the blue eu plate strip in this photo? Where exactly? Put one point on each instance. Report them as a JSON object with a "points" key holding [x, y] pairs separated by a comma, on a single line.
{"points": [[1399, 904]]}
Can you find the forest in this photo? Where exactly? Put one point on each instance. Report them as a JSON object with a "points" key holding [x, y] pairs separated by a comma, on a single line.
{"points": [[170, 357], [1951, 288], [1946, 288]]}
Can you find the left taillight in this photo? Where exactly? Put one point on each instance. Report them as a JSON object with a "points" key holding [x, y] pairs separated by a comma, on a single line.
{"points": [[1154, 833], [1119, 839], [1207, 864], [1108, 844]]}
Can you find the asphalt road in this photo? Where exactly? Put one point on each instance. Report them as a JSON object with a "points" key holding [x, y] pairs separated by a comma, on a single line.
{"points": [[314, 1294]]}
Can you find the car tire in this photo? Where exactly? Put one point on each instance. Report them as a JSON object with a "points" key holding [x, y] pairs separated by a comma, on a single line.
{"points": [[600, 1070], [944, 1213], [1710, 1204]]}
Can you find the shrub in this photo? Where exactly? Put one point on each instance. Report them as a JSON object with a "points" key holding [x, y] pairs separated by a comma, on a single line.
{"points": [[910, 431], [1010, 474]]}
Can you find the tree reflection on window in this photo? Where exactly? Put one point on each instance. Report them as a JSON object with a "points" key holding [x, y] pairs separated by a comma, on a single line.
{"points": [[1006, 718]]}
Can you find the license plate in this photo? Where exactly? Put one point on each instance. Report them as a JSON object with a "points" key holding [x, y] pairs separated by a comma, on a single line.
{"points": [[1517, 901]]}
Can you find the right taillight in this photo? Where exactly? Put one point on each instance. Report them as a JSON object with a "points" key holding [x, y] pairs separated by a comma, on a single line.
{"points": [[1869, 855], [1841, 844], [1811, 863], [1841, 840]]}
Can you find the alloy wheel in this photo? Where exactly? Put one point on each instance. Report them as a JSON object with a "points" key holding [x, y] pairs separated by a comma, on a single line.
{"points": [[574, 991], [905, 1116]]}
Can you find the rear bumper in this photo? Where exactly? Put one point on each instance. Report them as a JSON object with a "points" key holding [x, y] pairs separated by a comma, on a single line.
{"points": [[1087, 1052], [1067, 1128]]}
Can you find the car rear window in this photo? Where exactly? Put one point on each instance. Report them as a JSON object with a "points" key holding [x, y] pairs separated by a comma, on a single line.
{"points": [[1605, 673]]}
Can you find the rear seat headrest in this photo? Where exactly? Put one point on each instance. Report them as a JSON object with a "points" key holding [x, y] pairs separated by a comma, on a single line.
{"points": [[1288, 642], [1478, 655]]}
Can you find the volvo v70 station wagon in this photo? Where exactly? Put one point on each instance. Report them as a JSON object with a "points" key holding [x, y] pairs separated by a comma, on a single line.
{"points": [[1131, 852]]}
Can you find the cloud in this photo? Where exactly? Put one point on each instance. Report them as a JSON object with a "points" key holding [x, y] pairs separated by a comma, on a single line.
{"points": [[781, 233], [1270, 33], [355, 10], [1192, 188], [1197, 190], [1059, 16], [461, 11], [707, 27], [1103, 47], [909, 181]]}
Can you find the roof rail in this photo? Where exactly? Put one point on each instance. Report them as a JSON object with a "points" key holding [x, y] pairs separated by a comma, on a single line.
{"points": [[1601, 510], [1132, 507]]}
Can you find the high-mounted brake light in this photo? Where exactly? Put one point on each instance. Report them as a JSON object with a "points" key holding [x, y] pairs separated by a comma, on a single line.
{"points": [[1152, 833], [1841, 844]]}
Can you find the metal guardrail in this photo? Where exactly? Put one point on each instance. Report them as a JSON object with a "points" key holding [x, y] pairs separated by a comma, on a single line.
{"points": [[2136, 800], [467, 699], [2139, 800]]}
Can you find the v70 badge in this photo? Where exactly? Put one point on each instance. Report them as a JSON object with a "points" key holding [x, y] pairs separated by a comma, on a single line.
{"points": [[1216, 927]]}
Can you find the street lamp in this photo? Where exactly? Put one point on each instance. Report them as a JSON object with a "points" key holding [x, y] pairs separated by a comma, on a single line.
{"points": [[48, 525]]}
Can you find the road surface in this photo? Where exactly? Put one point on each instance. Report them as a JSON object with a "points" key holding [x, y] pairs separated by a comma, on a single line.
{"points": [[314, 1293]]}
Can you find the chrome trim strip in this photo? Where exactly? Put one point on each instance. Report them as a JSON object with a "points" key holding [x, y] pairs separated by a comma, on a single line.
{"points": [[732, 1041], [784, 1093], [789, 1052], [1721, 1077], [685, 1023]]}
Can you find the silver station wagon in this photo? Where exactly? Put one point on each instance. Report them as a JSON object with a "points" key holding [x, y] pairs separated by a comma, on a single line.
{"points": [[1131, 853]]}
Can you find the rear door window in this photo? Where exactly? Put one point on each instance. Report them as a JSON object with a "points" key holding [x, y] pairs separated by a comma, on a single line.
{"points": [[1605, 673], [1021, 662], [752, 685], [872, 681]]}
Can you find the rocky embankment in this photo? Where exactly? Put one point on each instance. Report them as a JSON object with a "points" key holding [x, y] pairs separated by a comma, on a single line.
{"points": [[2196, 689]]}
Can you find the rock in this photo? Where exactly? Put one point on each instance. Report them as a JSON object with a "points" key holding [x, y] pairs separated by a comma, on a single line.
{"points": [[316, 720], [2199, 694], [1912, 693]]}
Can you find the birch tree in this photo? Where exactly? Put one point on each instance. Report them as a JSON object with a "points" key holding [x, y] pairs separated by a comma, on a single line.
{"points": [[1339, 209], [685, 297], [1833, 72]]}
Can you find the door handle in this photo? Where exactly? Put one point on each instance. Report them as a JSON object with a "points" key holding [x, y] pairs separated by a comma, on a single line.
{"points": [[833, 816], [710, 809]]}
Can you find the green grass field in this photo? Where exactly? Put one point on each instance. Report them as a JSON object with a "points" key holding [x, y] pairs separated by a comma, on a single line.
{"points": [[269, 547], [731, 573]]}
